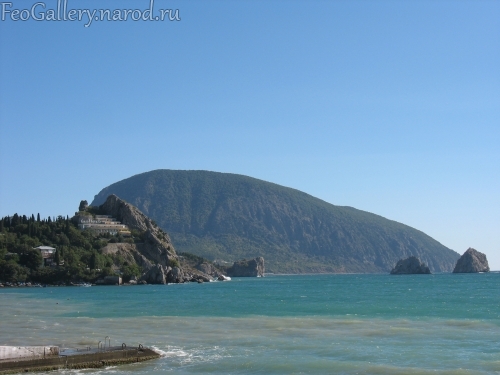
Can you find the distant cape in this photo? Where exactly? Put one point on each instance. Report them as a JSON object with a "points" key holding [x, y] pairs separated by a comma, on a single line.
{"points": [[227, 217]]}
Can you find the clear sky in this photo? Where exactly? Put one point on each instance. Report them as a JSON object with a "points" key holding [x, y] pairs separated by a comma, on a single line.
{"points": [[392, 107]]}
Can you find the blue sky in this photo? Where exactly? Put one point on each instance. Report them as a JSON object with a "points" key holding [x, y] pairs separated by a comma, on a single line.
{"points": [[392, 107]]}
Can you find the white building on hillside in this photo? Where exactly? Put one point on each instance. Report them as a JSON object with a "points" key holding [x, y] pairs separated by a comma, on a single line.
{"points": [[102, 224], [47, 254]]}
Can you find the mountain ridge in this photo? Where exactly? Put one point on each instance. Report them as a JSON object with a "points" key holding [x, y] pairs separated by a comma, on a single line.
{"points": [[229, 216]]}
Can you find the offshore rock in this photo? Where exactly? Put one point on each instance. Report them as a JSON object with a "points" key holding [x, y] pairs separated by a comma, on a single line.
{"points": [[410, 266], [472, 261], [247, 268]]}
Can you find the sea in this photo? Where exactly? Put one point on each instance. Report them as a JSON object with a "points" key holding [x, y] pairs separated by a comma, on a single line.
{"points": [[297, 324]]}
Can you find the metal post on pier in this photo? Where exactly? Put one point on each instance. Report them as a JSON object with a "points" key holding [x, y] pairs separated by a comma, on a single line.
{"points": [[109, 342]]}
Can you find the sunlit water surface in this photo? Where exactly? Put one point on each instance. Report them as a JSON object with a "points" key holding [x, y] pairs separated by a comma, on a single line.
{"points": [[314, 324]]}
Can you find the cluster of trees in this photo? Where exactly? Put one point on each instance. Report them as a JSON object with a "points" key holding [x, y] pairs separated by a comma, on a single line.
{"points": [[78, 255]]}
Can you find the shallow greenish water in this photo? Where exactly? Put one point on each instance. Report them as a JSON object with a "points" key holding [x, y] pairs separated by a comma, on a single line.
{"points": [[314, 324]]}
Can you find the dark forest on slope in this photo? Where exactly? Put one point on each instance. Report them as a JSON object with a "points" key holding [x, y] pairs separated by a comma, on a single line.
{"points": [[228, 217]]}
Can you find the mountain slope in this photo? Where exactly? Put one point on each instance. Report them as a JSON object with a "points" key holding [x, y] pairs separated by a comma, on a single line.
{"points": [[227, 216]]}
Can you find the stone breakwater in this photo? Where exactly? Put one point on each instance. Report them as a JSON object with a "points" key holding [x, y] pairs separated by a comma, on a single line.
{"points": [[18, 352], [97, 359]]}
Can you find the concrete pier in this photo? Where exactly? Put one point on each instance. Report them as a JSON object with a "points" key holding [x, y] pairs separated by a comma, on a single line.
{"points": [[74, 359], [13, 352]]}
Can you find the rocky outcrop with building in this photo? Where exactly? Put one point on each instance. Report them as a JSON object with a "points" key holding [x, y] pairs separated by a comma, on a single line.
{"points": [[155, 254], [410, 266], [156, 245], [100, 224], [472, 261], [247, 268]]}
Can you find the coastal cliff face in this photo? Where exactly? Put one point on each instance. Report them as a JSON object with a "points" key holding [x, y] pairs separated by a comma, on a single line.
{"points": [[472, 261], [129, 253], [410, 266], [156, 255], [247, 268], [157, 245]]}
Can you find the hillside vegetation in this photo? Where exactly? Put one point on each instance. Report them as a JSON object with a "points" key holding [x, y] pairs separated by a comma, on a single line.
{"points": [[227, 217], [87, 256], [78, 257]]}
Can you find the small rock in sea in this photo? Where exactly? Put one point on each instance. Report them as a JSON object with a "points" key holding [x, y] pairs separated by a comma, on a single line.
{"points": [[410, 266]]}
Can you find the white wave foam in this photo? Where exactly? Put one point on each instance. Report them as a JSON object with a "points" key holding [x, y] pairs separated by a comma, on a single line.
{"points": [[170, 352]]}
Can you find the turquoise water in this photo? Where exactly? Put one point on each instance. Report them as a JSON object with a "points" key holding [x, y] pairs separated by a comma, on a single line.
{"points": [[314, 324]]}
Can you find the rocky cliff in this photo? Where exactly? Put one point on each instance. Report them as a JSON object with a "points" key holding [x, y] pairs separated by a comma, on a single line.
{"points": [[472, 261], [247, 268], [408, 266], [157, 245], [156, 254], [128, 252]]}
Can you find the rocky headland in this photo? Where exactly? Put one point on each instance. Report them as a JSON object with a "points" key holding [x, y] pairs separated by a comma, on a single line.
{"points": [[155, 254], [472, 261], [156, 245], [230, 217], [410, 266], [110, 244]]}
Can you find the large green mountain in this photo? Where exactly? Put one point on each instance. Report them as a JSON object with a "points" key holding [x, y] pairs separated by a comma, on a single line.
{"points": [[228, 217]]}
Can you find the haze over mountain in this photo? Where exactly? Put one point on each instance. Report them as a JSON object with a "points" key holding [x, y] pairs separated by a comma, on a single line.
{"points": [[228, 217]]}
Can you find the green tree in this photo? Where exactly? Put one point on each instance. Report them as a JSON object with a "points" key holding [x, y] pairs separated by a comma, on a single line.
{"points": [[93, 263], [107, 271], [130, 270], [31, 258], [12, 272], [173, 262], [64, 240], [57, 258]]}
